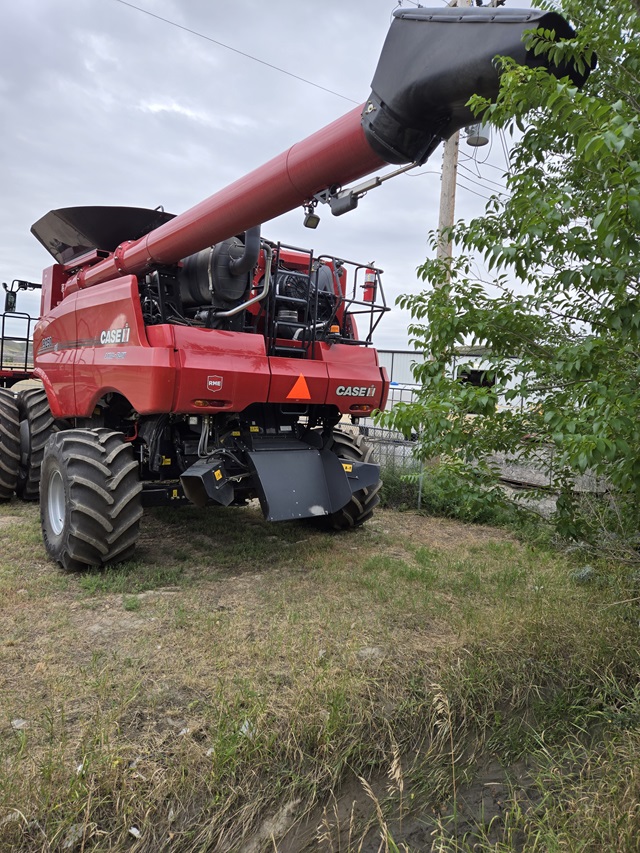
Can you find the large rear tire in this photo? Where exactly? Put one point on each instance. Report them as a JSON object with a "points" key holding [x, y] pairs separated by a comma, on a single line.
{"points": [[9, 444], [36, 425], [363, 502], [90, 503]]}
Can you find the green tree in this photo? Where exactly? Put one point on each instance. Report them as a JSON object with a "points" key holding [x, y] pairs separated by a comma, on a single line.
{"points": [[548, 279]]}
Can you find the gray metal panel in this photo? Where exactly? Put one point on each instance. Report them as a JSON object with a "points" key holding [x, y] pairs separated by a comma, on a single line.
{"points": [[205, 481], [301, 483]]}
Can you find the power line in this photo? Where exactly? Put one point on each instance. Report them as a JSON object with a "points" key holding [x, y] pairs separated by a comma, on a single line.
{"points": [[423, 172], [482, 178], [505, 149], [501, 184], [469, 190], [497, 168], [483, 186], [235, 50]]}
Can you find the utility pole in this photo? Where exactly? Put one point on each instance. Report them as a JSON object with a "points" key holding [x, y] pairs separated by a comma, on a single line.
{"points": [[450, 171], [446, 217], [448, 195]]}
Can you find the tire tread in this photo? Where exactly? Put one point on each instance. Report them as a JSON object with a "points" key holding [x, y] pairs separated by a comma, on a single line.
{"points": [[9, 444], [33, 407], [363, 502], [104, 489]]}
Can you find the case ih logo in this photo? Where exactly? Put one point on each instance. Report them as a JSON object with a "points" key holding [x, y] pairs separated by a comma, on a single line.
{"points": [[356, 391], [214, 383], [115, 336]]}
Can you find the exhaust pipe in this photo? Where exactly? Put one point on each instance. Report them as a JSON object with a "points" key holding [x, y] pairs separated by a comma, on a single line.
{"points": [[249, 258]]}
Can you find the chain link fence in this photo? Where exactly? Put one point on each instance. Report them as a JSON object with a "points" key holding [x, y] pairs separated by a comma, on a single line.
{"points": [[392, 450]]}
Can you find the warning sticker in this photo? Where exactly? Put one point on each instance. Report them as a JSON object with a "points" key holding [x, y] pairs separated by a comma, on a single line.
{"points": [[300, 390]]}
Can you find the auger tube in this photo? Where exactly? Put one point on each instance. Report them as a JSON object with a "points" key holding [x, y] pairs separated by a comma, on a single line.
{"points": [[432, 62]]}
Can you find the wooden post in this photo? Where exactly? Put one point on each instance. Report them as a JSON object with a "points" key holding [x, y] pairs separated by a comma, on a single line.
{"points": [[448, 187]]}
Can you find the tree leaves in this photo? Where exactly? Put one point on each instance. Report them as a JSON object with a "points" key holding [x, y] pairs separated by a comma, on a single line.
{"points": [[559, 311]]}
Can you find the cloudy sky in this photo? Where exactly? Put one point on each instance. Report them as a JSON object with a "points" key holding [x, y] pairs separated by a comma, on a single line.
{"points": [[104, 104]]}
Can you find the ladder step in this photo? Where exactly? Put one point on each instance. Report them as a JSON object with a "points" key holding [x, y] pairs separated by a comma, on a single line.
{"points": [[289, 352]]}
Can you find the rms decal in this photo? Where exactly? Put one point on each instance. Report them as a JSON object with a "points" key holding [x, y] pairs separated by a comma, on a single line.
{"points": [[115, 336]]}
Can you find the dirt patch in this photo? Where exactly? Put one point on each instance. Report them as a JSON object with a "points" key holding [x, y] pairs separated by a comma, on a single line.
{"points": [[439, 533], [477, 814]]}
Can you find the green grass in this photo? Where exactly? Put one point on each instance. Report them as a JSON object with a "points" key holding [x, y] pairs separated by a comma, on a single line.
{"points": [[240, 680], [131, 577]]}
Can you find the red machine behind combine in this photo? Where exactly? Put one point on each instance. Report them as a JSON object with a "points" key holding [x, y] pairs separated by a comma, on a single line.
{"points": [[188, 358]]}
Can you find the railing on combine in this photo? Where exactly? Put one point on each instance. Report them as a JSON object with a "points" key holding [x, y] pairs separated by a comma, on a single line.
{"points": [[307, 304], [16, 346]]}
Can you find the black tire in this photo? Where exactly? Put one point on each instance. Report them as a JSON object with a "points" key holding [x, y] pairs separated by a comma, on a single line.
{"points": [[90, 504], [9, 444], [363, 502], [36, 425]]}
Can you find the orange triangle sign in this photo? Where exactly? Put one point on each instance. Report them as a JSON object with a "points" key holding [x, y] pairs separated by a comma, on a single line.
{"points": [[300, 390]]}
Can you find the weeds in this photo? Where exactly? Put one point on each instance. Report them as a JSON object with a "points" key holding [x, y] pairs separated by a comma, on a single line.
{"points": [[440, 491], [310, 691]]}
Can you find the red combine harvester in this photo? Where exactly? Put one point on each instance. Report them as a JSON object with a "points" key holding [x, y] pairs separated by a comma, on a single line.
{"points": [[188, 358]]}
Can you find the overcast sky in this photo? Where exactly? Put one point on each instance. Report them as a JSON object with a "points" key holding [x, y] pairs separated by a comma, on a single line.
{"points": [[103, 104]]}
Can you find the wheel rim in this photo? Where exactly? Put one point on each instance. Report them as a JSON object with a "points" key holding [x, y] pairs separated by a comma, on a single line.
{"points": [[56, 503]]}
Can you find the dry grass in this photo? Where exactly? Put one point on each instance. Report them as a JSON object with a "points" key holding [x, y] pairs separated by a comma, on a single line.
{"points": [[227, 690]]}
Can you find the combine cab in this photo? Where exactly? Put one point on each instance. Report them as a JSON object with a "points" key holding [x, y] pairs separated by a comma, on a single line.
{"points": [[188, 358]]}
